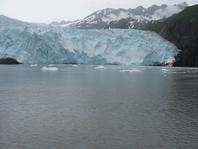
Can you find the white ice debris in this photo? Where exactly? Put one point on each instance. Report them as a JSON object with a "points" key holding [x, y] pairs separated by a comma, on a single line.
{"points": [[174, 71], [52, 69], [130, 70], [74, 65], [51, 65], [33, 65], [99, 67], [165, 70]]}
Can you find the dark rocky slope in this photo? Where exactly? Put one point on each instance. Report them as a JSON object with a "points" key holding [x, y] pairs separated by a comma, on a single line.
{"points": [[182, 30], [8, 61]]}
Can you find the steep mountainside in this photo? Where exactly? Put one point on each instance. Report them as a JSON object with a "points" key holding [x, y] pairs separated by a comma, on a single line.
{"points": [[124, 18], [182, 30]]}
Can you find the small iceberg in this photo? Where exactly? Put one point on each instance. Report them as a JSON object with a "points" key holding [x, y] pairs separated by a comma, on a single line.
{"points": [[52, 69], [165, 70], [51, 65], [130, 70], [99, 67], [74, 65], [34, 65]]}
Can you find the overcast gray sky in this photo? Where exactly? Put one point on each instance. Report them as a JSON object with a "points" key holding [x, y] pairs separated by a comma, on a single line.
{"points": [[50, 10]]}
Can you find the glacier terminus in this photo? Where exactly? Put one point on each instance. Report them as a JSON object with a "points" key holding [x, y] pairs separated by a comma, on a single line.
{"points": [[41, 43]]}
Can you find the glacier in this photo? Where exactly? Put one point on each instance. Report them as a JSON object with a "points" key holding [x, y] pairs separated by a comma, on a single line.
{"points": [[45, 44]]}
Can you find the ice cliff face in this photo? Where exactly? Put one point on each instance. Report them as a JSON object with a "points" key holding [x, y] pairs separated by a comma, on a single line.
{"points": [[40, 43]]}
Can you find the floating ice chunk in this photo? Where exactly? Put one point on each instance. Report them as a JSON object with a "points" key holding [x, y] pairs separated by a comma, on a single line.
{"points": [[51, 65], [165, 75], [99, 67], [74, 65], [52, 69], [168, 71], [33, 65], [165, 70], [130, 70]]}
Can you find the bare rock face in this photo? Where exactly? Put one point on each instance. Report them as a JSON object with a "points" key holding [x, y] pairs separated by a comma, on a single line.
{"points": [[8, 60]]}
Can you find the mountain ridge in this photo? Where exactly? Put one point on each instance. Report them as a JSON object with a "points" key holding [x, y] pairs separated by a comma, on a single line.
{"points": [[134, 18]]}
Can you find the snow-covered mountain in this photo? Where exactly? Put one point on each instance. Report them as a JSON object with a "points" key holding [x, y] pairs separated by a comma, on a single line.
{"points": [[41, 43], [125, 18]]}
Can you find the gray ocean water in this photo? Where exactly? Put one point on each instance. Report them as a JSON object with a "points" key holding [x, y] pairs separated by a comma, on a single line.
{"points": [[115, 107]]}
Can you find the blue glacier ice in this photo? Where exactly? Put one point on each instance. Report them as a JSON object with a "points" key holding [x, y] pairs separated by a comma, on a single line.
{"points": [[41, 43]]}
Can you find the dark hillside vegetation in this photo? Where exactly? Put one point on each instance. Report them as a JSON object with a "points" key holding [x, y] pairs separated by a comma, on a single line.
{"points": [[182, 30]]}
